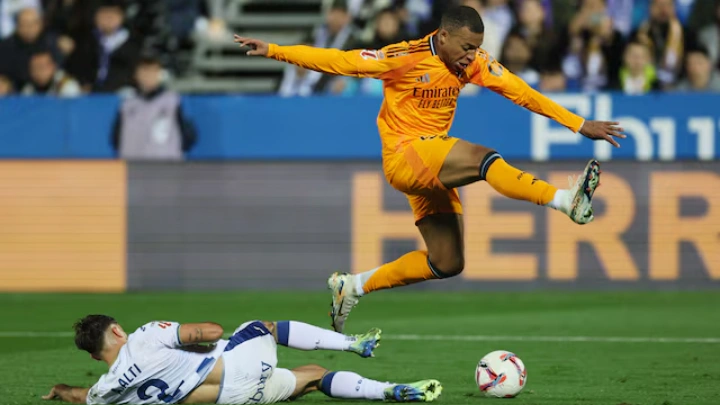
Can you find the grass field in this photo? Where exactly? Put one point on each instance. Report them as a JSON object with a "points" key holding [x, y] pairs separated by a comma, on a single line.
{"points": [[561, 337]]}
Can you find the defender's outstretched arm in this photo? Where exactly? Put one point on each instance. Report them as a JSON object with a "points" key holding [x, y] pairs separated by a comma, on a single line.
{"points": [[66, 393]]}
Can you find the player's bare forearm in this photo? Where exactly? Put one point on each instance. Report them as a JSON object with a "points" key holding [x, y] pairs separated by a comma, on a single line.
{"points": [[66, 393], [196, 333]]}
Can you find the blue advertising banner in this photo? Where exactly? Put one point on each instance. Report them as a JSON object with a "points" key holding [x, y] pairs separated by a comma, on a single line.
{"points": [[660, 127]]}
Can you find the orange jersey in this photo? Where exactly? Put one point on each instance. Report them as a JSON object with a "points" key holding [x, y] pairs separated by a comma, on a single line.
{"points": [[420, 92]]}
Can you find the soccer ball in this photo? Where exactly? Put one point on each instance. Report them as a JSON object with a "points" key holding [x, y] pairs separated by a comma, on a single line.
{"points": [[501, 374]]}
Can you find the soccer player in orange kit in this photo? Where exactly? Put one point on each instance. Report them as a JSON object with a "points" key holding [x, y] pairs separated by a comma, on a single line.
{"points": [[422, 81]]}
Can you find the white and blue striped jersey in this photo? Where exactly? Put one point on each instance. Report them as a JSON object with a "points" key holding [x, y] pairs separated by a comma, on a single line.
{"points": [[153, 368]]}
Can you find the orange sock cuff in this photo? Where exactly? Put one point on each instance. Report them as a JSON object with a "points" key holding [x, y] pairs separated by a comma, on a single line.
{"points": [[488, 160]]}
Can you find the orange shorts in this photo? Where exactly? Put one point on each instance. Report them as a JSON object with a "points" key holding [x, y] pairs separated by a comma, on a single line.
{"points": [[414, 168]]}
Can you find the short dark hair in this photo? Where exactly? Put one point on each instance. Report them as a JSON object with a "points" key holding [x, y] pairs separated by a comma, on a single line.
{"points": [[699, 49], [462, 16], [340, 5], [42, 51], [116, 4], [90, 332], [149, 60]]}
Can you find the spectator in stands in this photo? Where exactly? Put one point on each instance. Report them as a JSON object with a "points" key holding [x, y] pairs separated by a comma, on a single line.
{"points": [[595, 48], [28, 39], [683, 10], [667, 38], [181, 17], [295, 80], [47, 79], [638, 74], [516, 56], [9, 13], [701, 74], [493, 41], [709, 37], [388, 30], [543, 40], [104, 58], [214, 26], [336, 32], [413, 14], [431, 23], [69, 17], [150, 124], [621, 12], [553, 81], [6, 86], [500, 13], [702, 15]]}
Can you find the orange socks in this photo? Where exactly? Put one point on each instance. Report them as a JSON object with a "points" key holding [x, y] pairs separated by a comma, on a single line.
{"points": [[513, 183], [408, 269]]}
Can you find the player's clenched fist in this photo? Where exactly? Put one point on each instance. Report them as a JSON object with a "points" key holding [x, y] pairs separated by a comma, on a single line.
{"points": [[257, 47]]}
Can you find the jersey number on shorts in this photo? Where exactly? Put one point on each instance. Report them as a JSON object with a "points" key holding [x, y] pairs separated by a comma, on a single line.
{"points": [[163, 387]]}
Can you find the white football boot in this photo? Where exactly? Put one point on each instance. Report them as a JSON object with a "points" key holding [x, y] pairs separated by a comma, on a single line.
{"points": [[344, 298]]}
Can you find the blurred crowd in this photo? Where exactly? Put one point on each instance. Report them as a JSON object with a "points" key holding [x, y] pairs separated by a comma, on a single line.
{"points": [[630, 46], [71, 47]]}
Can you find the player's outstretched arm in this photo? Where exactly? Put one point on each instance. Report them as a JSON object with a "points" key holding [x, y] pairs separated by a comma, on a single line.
{"points": [[497, 78], [196, 333], [358, 63], [66, 393]]}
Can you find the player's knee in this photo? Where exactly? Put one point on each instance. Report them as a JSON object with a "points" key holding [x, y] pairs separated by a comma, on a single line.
{"points": [[307, 379], [310, 373], [479, 152], [447, 266], [312, 369]]}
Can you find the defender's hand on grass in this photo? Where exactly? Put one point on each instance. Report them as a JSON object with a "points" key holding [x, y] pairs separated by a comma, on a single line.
{"points": [[257, 47], [55, 391], [603, 130]]}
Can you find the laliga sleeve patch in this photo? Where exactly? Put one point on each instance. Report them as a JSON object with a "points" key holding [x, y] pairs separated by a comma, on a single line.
{"points": [[495, 68]]}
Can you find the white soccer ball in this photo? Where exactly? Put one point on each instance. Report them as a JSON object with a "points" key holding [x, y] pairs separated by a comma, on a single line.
{"points": [[501, 374]]}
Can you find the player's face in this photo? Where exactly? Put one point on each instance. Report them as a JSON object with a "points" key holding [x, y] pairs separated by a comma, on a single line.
{"points": [[458, 49]]}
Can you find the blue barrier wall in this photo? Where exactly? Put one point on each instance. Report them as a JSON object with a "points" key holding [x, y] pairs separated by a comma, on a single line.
{"points": [[660, 127]]}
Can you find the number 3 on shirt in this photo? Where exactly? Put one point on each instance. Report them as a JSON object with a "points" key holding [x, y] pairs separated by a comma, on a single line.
{"points": [[163, 387]]}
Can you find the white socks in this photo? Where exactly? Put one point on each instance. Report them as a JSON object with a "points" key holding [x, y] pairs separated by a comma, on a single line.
{"points": [[560, 201], [299, 335], [346, 384], [361, 279]]}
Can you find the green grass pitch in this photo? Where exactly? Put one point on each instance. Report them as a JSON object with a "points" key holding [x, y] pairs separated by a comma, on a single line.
{"points": [[561, 372]]}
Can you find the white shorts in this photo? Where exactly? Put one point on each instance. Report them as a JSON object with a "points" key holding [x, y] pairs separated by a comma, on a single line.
{"points": [[251, 375]]}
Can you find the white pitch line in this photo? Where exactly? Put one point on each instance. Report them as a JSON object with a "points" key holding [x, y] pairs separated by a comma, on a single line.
{"points": [[35, 334], [516, 338], [461, 338]]}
